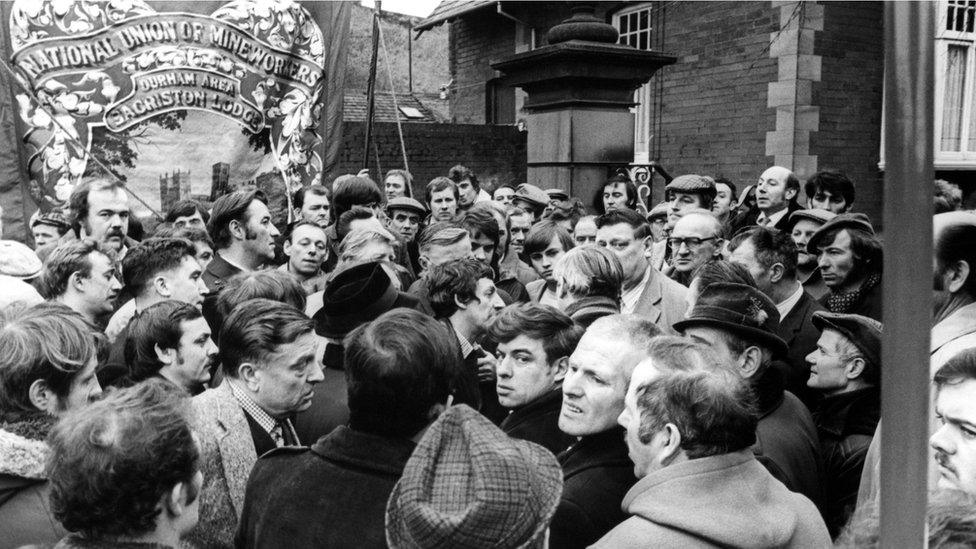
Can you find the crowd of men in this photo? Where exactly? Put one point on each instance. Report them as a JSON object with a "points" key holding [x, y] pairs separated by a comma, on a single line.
{"points": [[473, 367]]}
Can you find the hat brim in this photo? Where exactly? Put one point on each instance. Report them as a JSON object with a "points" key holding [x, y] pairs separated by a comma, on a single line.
{"points": [[419, 211], [775, 343], [822, 323], [337, 326]]}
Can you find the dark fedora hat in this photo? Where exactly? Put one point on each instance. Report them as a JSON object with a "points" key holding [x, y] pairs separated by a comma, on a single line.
{"points": [[356, 296], [863, 332], [740, 309]]}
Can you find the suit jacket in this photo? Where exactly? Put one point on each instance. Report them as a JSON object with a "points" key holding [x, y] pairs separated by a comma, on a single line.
{"points": [[662, 301], [597, 473], [215, 276], [227, 456], [784, 222], [799, 333]]}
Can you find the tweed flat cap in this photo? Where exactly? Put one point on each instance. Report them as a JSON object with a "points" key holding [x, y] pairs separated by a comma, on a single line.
{"points": [[815, 215], [406, 203], [18, 261], [863, 332], [857, 221], [691, 183], [53, 218], [531, 194], [470, 485], [739, 309]]}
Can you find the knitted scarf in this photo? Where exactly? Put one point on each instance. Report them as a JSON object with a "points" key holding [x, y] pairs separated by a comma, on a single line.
{"points": [[23, 450], [847, 302]]}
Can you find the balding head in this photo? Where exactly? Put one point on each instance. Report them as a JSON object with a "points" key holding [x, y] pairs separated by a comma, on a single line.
{"points": [[696, 240], [954, 263], [777, 187]]}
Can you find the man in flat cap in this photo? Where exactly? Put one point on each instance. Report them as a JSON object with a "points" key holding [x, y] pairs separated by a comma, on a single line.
{"points": [[47, 229], [741, 324], [849, 256], [846, 369], [803, 225], [531, 199], [405, 216], [776, 194]]}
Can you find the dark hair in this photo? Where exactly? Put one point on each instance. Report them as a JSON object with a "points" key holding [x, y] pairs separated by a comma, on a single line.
{"points": [[192, 234], [65, 260], [722, 271], [772, 246], [642, 229], [542, 233], [227, 208], [832, 181], [186, 208], [273, 284], [557, 332], [955, 243], [459, 173], [354, 191], [78, 201], [151, 257], [47, 341], [866, 248], [712, 409], [454, 279], [292, 227], [615, 179], [298, 197], [112, 462], [957, 369], [397, 368], [159, 324], [438, 184], [346, 219], [726, 181], [256, 328], [479, 220], [947, 197]]}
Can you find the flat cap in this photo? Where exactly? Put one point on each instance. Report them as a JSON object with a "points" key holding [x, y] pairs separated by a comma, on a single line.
{"points": [[691, 183], [406, 203], [18, 261], [857, 221], [557, 194], [531, 194], [863, 332], [661, 210], [815, 215], [54, 218], [468, 484]]}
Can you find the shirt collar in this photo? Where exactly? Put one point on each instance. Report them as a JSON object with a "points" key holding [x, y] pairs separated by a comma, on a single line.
{"points": [[773, 219], [628, 299], [466, 347], [789, 303], [257, 413]]}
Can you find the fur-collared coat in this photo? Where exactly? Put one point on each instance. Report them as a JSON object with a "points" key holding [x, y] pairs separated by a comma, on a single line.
{"points": [[25, 513]]}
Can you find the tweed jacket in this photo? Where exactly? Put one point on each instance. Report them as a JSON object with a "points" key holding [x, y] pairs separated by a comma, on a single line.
{"points": [[662, 301], [227, 456], [801, 336]]}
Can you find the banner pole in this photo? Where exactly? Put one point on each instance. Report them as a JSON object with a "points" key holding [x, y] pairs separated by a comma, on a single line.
{"points": [[371, 85]]}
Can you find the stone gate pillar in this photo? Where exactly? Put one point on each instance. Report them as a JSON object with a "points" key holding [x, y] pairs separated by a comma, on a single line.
{"points": [[580, 90]]}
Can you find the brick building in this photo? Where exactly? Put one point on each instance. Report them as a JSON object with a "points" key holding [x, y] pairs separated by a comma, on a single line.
{"points": [[756, 83]]}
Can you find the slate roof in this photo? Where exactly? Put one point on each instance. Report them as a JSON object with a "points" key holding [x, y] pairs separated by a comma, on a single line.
{"points": [[354, 107], [449, 9]]}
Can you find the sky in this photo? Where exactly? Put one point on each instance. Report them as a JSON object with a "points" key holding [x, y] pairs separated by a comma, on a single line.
{"points": [[419, 8]]}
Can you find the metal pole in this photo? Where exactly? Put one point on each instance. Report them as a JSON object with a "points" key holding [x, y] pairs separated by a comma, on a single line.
{"points": [[409, 63], [371, 85], [909, 30]]}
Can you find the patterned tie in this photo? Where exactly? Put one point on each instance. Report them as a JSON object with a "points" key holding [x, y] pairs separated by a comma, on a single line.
{"points": [[764, 221], [283, 434]]}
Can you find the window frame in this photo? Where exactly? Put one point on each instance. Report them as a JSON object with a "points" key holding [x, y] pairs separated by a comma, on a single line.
{"points": [[643, 96], [945, 38]]}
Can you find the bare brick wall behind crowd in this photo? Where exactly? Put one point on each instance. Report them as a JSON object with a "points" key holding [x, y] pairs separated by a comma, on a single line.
{"points": [[489, 151]]}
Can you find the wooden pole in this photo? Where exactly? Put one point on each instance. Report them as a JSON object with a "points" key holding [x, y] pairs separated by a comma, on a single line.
{"points": [[371, 85], [909, 29]]}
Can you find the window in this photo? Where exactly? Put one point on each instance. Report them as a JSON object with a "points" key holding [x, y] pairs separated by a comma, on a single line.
{"points": [[955, 95], [639, 27]]}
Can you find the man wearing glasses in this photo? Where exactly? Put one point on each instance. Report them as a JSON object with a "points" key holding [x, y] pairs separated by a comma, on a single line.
{"points": [[695, 240]]}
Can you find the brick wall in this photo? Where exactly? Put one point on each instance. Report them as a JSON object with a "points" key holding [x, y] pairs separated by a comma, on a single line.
{"points": [[492, 152], [714, 103], [849, 95], [475, 41]]}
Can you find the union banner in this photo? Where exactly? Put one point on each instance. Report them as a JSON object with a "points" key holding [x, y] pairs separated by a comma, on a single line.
{"points": [[177, 99]]}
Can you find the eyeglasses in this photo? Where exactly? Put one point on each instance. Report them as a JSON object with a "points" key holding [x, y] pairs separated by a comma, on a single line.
{"points": [[692, 242]]}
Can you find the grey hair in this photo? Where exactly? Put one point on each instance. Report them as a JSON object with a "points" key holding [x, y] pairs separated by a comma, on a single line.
{"points": [[589, 270]]}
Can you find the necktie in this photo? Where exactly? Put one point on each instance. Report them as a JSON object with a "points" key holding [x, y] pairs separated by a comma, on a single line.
{"points": [[764, 221], [283, 434]]}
